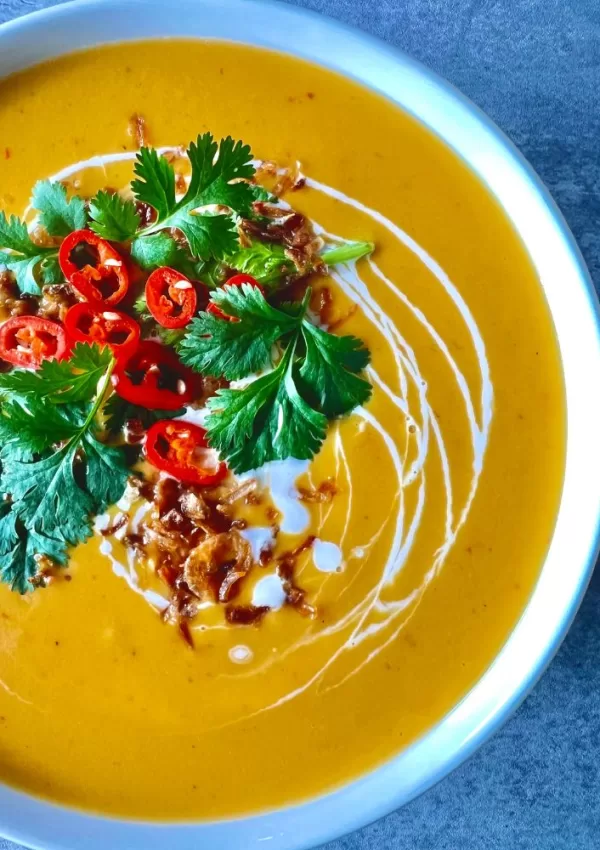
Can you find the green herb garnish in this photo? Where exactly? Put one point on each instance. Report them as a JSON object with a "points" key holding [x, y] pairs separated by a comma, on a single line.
{"points": [[269, 264], [31, 264], [266, 262], [112, 217], [73, 380], [346, 252], [284, 412], [157, 250], [59, 215], [28, 262], [59, 474], [217, 179]]}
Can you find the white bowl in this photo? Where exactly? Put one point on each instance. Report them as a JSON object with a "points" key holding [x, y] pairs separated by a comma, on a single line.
{"points": [[575, 311]]}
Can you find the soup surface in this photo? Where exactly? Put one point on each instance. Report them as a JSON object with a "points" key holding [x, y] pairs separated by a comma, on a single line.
{"points": [[446, 482]]}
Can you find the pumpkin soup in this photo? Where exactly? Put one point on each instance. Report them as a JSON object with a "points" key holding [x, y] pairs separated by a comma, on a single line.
{"points": [[282, 430]]}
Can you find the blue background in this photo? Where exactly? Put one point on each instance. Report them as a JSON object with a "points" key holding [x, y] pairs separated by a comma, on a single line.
{"points": [[534, 67]]}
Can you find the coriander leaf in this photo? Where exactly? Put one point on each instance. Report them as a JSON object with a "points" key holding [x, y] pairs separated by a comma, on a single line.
{"points": [[89, 360], [32, 426], [217, 179], [211, 273], [56, 470], [248, 303], [106, 472], [158, 249], [23, 270], [267, 420], [113, 217], [14, 569], [267, 262], [50, 270], [283, 413], [348, 352], [47, 497], [61, 382], [8, 531], [259, 193], [208, 235], [21, 256], [39, 544], [18, 550], [15, 237], [214, 166], [58, 214], [235, 350], [118, 412], [156, 181], [327, 373], [57, 494], [346, 252]]}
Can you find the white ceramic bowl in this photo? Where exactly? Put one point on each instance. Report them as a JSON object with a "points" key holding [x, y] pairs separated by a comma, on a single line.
{"points": [[575, 311]]}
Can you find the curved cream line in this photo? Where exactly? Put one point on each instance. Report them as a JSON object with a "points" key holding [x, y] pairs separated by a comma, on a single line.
{"points": [[15, 695], [487, 393]]}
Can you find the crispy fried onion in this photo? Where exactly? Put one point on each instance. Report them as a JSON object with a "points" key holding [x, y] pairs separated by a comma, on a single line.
{"points": [[322, 494], [193, 539], [214, 567], [280, 180], [138, 130], [288, 228], [294, 595]]}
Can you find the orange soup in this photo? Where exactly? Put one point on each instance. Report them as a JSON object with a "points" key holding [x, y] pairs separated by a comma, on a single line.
{"points": [[240, 637]]}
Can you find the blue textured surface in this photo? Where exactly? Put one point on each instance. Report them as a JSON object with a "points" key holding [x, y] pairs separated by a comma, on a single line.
{"points": [[534, 67]]}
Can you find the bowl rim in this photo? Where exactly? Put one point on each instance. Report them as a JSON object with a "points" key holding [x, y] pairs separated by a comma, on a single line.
{"points": [[575, 310]]}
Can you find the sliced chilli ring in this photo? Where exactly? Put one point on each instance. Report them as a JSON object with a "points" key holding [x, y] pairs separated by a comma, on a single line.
{"points": [[171, 298], [178, 448], [27, 341], [154, 377], [88, 322], [93, 267]]}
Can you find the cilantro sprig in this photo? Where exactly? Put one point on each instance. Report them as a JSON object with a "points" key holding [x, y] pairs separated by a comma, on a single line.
{"points": [[220, 193], [56, 469], [28, 262], [218, 175], [312, 377], [33, 265]]}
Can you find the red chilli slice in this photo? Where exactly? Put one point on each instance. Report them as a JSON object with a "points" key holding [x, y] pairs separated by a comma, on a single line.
{"points": [[27, 341], [181, 450], [153, 376], [171, 298], [88, 322], [94, 268]]}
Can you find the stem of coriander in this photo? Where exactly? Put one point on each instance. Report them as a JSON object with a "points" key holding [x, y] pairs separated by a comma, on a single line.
{"points": [[100, 395], [346, 252]]}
